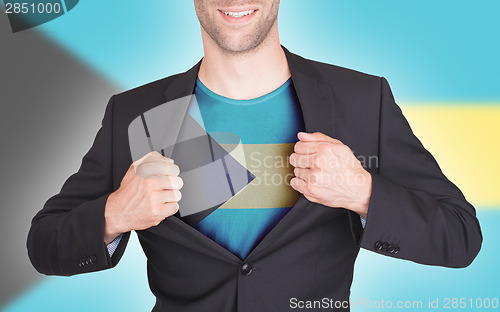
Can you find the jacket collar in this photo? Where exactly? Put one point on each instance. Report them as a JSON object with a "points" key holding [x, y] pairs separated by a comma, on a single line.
{"points": [[315, 96]]}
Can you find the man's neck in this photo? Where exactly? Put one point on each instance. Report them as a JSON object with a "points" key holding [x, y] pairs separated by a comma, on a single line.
{"points": [[244, 76]]}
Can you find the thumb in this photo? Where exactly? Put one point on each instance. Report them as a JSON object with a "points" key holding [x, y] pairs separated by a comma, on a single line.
{"points": [[152, 156], [316, 137], [143, 158]]}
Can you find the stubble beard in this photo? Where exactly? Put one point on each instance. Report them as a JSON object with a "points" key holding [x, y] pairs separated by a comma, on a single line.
{"points": [[247, 44]]}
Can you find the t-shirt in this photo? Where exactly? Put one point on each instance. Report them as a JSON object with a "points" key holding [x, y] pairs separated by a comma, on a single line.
{"points": [[266, 130]]}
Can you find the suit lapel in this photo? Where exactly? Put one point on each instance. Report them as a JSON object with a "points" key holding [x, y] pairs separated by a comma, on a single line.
{"points": [[318, 110], [315, 98], [183, 84]]}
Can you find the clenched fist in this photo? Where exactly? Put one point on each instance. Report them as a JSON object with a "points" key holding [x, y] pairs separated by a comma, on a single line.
{"points": [[327, 172], [148, 193]]}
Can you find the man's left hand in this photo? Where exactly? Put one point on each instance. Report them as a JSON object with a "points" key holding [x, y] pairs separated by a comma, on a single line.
{"points": [[327, 172]]}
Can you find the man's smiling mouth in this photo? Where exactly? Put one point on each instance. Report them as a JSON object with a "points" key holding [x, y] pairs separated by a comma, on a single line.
{"points": [[239, 14]]}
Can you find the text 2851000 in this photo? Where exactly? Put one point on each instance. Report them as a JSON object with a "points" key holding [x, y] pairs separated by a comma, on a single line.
{"points": [[32, 8]]}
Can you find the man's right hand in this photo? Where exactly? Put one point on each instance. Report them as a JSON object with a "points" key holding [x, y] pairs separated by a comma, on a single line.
{"points": [[148, 193]]}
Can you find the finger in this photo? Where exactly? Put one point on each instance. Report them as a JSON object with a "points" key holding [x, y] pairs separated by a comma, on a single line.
{"points": [[302, 173], [164, 183], [171, 208], [172, 169], [152, 156], [170, 196], [316, 137], [298, 184], [157, 169], [311, 176], [171, 183], [132, 170], [301, 186], [147, 156], [157, 157], [301, 160], [305, 147]]}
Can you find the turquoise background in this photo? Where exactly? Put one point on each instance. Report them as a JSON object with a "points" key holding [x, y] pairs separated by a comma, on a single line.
{"points": [[440, 51]]}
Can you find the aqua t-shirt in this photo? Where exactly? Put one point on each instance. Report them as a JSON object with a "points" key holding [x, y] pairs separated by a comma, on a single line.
{"points": [[267, 128]]}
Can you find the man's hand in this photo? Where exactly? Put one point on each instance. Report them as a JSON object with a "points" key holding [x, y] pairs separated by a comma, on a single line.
{"points": [[327, 172], [148, 193]]}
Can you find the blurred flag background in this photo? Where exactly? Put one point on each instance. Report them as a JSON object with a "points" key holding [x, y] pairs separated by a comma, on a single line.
{"points": [[441, 59]]}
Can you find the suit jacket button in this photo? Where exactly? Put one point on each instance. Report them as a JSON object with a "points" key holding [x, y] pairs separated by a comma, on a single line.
{"points": [[390, 248], [246, 269], [384, 246], [378, 245], [396, 249], [93, 260]]}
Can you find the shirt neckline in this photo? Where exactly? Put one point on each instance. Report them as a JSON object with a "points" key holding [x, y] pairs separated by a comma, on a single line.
{"points": [[256, 100]]}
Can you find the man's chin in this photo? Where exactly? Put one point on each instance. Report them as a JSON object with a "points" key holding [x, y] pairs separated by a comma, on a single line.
{"points": [[239, 46]]}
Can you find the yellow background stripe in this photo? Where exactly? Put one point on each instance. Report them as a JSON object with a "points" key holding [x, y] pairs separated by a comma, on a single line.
{"points": [[465, 140]]}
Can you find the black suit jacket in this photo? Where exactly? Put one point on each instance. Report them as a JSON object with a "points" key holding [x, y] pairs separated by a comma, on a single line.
{"points": [[415, 212]]}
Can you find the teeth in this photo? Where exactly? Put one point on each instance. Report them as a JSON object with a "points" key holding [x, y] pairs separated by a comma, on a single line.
{"points": [[239, 14]]}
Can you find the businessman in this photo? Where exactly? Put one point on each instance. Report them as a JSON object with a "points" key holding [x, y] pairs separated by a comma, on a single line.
{"points": [[270, 244]]}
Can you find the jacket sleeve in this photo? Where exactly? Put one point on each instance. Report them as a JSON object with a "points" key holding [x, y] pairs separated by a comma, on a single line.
{"points": [[415, 212], [66, 237]]}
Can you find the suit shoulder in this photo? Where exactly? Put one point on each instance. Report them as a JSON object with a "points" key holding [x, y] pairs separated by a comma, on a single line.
{"points": [[342, 75], [130, 104], [152, 91], [350, 88]]}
